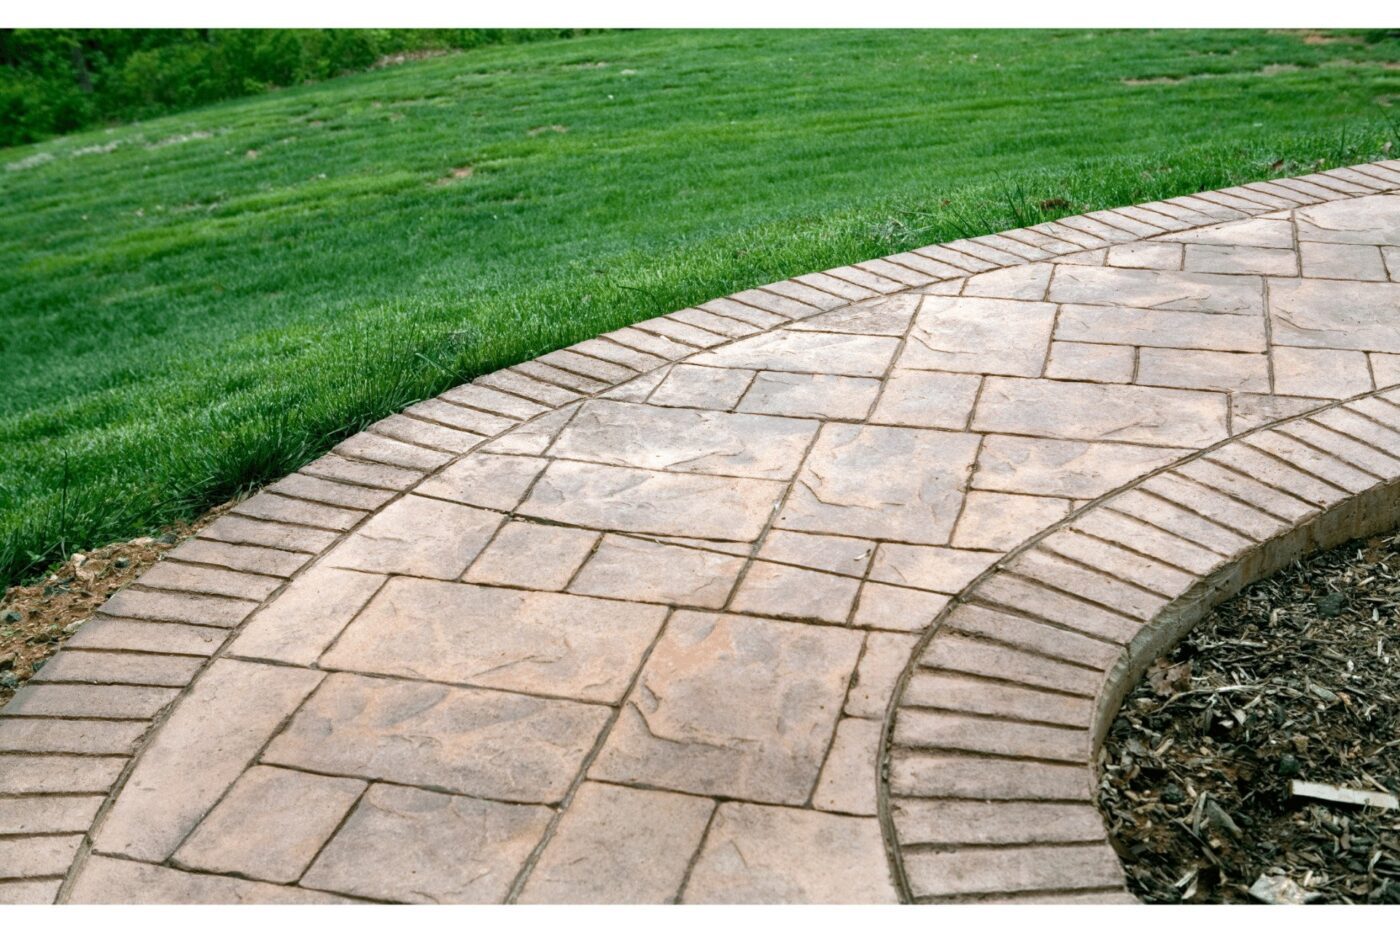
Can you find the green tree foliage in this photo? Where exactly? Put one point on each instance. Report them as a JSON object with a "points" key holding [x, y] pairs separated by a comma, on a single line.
{"points": [[57, 80]]}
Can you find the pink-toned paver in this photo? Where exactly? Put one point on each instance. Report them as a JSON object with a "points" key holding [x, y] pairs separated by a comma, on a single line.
{"points": [[823, 591]]}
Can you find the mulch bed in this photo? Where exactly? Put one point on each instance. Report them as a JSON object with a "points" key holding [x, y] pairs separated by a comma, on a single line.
{"points": [[1296, 678], [35, 620]]}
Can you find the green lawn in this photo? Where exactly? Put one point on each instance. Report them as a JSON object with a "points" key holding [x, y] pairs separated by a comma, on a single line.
{"points": [[199, 303]]}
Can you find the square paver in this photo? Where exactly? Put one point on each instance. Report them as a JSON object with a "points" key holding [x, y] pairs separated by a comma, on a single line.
{"points": [[1091, 362], [648, 571], [914, 398], [1333, 315], [619, 845], [1026, 282], [811, 395], [1203, 369], [897, 608], [857, 482], [1000, 522], [702, 387], [1342, 261], [535, 557], [541, 643], [847, 556], [415, 846], [1244, 260], [940, 569], [979, 335], [309, 614], [1161, 290], [1321, 373], [485, 480], [881, 663], [795, 592], [887, 317], [847, 784], [734, 706], [1071, 469], [419, 536]]}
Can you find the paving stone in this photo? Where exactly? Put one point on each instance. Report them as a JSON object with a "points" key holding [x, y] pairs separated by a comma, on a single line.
{"points": [[1148, 328], [650, 502], [538, 643], [688, 386], [1091, 362], [192, 578], [975, 822], [1335, 315], [214, 733], [119, 667], [164, 606], [240, 557], [790, 299], [794, 592], [1372, 220], [1342, 261], [59, 814], [913, 398], [803, 351], [757, 316], [970, 693], [535, 557], [1148, 254], [915, 772], [1385, 367], [1024, 283], [941, 569], [158, 637], [619, 845], [463, 419], [897, 608], [979, 335], [810, 395], [37, 856], [1203, 369], [848, 556], [956, 732], [121, 881], [611, 352], [775, 855], [881, 662], [854, 471], [1071, 469], [271, 824], [234, 530], [1251, 411], [426, 434], [1144, 538], [887, 317], [301, 624], [485, 480], [80, 736], [639, 389], [589, 366], [532, 438], [955, 259], [106, 702], [847, 783], [583, 385], [648, 571], [1163, 291], [1243, 260], [464, 740], [30, 892], [654, 344], [1023, 868], [999, 521], [733, 706], [1130, 600], [484, 398], [376, 475], [1320, 373], [685, 440], [1080, 411], [386, 450], [419, 536]]}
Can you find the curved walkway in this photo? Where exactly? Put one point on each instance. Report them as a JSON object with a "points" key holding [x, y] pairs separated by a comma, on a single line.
{"points": [[636, 620]]}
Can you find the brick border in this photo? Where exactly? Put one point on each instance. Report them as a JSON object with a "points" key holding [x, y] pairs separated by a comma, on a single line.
{"points": [[989, 752], [117, 679]]}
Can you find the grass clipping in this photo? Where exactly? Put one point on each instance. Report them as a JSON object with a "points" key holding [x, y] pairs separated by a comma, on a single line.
{"points": [[1295, 679]]}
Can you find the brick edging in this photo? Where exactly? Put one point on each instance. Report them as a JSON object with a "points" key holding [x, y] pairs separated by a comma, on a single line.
{"points": [[988, 757]]}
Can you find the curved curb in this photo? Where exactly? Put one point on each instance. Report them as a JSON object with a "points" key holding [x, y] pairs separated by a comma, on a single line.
{"points": [[70, 739], [990, 743]]}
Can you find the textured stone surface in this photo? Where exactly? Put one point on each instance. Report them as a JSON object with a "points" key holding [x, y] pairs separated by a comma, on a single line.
{"points": [[417, 535]]}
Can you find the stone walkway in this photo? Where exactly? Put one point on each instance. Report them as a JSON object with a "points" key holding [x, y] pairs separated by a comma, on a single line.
{"points": [[818, 592]]}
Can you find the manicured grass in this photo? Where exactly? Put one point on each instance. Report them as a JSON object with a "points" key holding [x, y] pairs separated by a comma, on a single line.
{"points": [[227, 292]]}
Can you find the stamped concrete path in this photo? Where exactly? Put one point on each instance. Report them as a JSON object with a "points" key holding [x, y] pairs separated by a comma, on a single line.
{"points": [[818, 592]]}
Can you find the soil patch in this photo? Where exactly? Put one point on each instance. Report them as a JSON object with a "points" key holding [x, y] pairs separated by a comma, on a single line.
{"points": [[1297, 678]]}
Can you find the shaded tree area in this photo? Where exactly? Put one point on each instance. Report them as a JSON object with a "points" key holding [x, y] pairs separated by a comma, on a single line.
{"points": [[58, 80]]}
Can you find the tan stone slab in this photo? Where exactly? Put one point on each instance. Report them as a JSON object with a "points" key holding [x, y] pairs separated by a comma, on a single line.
{"points": [[108, 702], [1149, 328], [650, 502], [856, 482], [739, 311], [913, 398], [420, 536], [1342, 261], [848, 556], [1091, 362], [685, 440], [1251, 411], [975, 822], [1024, 283], [1071, 469], [774, 855], [796, 593], [649, 571], [270, 825], [303, 621], [964, 871], [536, 557], [240, 557], [121, 881], [1385, 367], [996, 521], [1080, 411], [885, 317], [688, 386], [897, 608], [1372, 220], [806, 352], [210, 738], [539, 643], [37, 856], [1267, 498], [1155, 289], [29, 815], [1203, 369], [794, 293], [915, 772], [480, 742], [533, 437], [881, 662], [733, 706], [485, 480], [810, 395], [463, 419], [941, 569], [1335, 315], [639, 389], [979, 335], [30, 892], [970, 693], [619, 845], [1321, 373], [166, 606], [1241, 260], [1146, 254], [655, 344], [847, 783], [119, 667]]}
